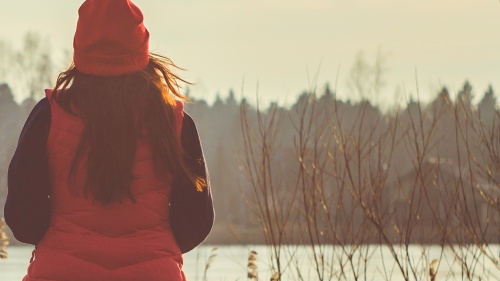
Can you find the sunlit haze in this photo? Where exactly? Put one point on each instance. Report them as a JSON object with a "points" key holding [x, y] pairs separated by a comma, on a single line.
{"points": [[280, 48]]}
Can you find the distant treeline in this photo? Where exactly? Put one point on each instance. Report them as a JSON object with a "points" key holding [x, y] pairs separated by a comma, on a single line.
{"points": [[220, 128]]}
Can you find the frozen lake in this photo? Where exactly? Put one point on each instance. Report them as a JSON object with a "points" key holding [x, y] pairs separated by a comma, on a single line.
{"points": [[230, 263]]}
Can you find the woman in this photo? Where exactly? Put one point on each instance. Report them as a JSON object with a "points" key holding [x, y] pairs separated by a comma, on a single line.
{"points": [[109, 179]]}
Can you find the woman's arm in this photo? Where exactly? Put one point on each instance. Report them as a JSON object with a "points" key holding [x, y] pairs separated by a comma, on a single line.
{"points": [[27, 208], [191, 212]]}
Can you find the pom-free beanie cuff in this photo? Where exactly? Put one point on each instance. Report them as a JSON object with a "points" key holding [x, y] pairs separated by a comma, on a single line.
{"points": [[112, 65]]}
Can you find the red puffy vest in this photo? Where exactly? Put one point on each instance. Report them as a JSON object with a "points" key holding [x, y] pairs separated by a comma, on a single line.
{"points": [[93, 242]]}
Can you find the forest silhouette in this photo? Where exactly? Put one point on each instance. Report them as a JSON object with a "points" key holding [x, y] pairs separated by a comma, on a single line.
{"points": [[220, 129]]}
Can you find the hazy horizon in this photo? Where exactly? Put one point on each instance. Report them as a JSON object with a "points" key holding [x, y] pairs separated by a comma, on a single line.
{"points": [[279, 46]]}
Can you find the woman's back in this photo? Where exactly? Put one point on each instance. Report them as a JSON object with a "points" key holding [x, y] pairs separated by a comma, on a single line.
{"points": [[105, 240]]}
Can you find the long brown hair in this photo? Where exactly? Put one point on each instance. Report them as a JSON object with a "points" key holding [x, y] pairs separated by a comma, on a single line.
{"points": [[116, 111]]}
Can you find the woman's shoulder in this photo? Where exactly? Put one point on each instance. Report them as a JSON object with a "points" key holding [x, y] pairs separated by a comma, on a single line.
{"points": [[41, 110]]}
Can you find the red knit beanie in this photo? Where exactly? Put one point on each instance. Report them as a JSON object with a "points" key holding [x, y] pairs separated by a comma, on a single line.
{"points": [[110, 38]]}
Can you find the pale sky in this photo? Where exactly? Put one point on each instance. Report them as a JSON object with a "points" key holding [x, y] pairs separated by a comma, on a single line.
{"points": [[278, 46]]}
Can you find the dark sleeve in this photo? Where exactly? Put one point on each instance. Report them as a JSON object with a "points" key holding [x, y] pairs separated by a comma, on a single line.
{"points": [[191, 212], [27, 208]]}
